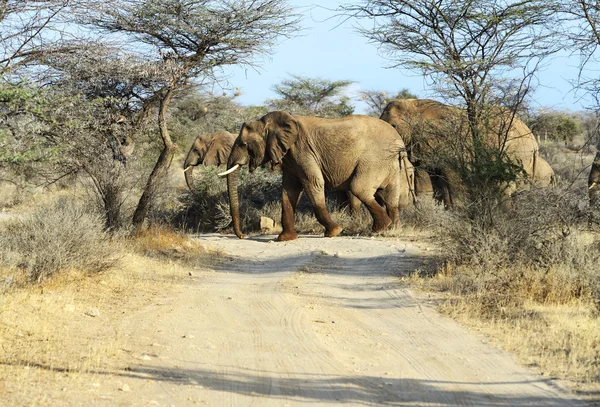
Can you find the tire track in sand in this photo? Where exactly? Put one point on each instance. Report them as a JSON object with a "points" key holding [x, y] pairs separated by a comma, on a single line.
{"points": [[318, 322]]}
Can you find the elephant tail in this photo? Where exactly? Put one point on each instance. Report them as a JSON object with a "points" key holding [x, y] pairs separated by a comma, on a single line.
{"points": [[410, 178]]}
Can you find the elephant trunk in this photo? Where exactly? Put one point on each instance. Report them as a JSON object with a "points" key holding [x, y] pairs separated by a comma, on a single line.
{"points": [[189, 177], [188, 168], [234, 204]]}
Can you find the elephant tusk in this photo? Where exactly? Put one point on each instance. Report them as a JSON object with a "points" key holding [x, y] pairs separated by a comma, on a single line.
{"points": [[187, 168], [593, 185], [229, 171]]}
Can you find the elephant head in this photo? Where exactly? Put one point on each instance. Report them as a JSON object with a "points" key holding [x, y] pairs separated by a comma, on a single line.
{"points": [[410, 117], [263, 141], [207, 149]]}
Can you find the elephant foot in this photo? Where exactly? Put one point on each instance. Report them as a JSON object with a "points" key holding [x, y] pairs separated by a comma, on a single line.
{"points": [[286, 236], [381, 226], [337, 229]]}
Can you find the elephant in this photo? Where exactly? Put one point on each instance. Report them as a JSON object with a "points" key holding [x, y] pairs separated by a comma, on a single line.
{"points": [[421, 123], [207, 149], [593, 182], [356, 153]]}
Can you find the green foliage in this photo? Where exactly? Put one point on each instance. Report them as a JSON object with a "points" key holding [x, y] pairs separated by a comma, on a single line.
{"points": [[201, 112], [556, 126], [313, 97], [20, 104]]}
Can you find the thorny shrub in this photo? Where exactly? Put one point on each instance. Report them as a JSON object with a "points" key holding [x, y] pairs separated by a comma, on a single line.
{"points": [[536, 250], [56, 238]]}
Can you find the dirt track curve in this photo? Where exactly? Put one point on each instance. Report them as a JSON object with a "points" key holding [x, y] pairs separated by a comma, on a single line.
{"points": [[315, 322]]}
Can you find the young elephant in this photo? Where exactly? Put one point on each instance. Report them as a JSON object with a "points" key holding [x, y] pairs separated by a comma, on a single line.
{"points": [[207, 149], [359, 154]]}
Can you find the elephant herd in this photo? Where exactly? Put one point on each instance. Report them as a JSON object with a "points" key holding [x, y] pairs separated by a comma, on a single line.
{"points": [[378, 162]]}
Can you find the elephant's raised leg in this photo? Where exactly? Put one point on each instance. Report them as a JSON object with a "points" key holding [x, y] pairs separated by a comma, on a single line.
{"points": [[290, 196], [380, 218], [315, 190]]}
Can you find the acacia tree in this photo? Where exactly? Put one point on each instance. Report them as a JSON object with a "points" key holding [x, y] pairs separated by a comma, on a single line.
{"points": [[33, 29], [312, 96], [583, 31], [192, 39], [98, 109], [377, 100], [476, 53], [558, 126]]}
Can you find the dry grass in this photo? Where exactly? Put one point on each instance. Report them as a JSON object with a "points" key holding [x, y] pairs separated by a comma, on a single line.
{"points": [[47, 336], [164, 241], [559, 341], [530, 279], [548, 318], [49, 340]]}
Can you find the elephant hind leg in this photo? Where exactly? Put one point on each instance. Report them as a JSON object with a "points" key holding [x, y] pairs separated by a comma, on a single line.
{"points": [[391, 199], [381, 220]]}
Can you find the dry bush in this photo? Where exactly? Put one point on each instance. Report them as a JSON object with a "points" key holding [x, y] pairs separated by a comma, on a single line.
{"points": [[160, 240], [527, 274], [534, 251], [56, 238], [206, 208], [571, 166]]}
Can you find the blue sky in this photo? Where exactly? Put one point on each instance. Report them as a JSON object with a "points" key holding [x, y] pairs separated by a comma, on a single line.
{"points": [[331, 49]]}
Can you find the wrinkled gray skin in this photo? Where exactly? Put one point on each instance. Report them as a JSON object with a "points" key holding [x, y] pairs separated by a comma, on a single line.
{"points": [[207, 149], [356, 153], [408, 115]]}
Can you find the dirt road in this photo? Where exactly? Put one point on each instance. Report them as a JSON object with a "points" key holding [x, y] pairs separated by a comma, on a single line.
{"points": [[312, 322]]}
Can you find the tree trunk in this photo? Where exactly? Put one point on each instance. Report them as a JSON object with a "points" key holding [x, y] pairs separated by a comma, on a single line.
{"points": [[112, 206], [161, 166]]}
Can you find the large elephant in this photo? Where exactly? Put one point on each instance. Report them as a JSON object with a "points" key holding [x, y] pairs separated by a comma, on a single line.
{"points": [[359, 154], [422, 123], [207, 149]]}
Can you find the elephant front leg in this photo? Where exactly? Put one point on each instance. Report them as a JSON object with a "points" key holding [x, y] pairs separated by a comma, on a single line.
{"points": [[290, 196]]}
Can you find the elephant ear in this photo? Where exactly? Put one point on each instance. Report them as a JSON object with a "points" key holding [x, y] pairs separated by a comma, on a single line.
{"points": [[282, 132], [217, 152]]}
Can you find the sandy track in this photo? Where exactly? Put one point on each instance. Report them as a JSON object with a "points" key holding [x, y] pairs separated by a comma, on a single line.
{"points": [[314, 322]]}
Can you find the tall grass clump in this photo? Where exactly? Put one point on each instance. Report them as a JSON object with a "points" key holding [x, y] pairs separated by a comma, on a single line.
{"points": [[54, 238]]}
